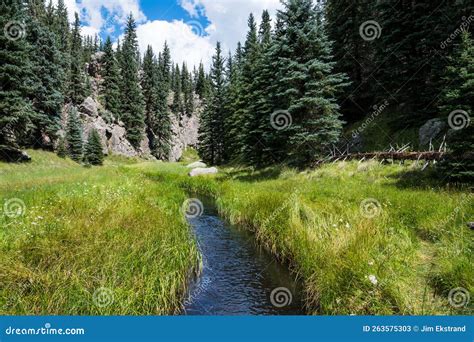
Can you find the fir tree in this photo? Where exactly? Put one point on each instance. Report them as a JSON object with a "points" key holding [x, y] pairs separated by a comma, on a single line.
{"points": [[306, 86], [77, 82], [93, 153], [74, 136], [132, 98], [111, 80], [200, 81], [211, 132], [48, 76], [61, 148], [458, 98], [16, 113]]}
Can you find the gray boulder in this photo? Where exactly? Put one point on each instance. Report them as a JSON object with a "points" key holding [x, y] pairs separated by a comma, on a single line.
{"points": [[430, 131], [89, 107], [198, 164], [203, 171]]}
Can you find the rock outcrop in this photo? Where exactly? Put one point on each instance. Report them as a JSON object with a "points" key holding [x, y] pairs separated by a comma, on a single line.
{"points": [[112, 131], [185, 130], [430, 131]]}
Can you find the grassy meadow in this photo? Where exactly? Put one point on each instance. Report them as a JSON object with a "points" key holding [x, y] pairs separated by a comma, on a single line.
{"points": [[362, 237], [92, 240]]}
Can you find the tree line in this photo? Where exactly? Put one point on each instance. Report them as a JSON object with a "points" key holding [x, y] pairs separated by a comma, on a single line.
{"points": [[43, 68], [286, 93]]}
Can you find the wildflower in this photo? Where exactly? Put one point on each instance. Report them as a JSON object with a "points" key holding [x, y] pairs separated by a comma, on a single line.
{"points": [[373, 279]]}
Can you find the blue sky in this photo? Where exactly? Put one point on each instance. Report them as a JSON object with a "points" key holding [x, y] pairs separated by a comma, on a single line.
{"points": [[191, 27]]}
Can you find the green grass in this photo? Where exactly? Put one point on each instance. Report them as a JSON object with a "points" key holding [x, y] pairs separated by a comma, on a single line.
{"points": [[120, 227], [418, 247], [90, 228]]}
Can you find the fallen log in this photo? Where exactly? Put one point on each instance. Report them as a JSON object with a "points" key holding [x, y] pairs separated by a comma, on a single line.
{"points": [[428, 156]]}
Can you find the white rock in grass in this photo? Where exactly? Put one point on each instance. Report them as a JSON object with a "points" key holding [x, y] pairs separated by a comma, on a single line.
{"points": [[198, 164], [203, 171]]}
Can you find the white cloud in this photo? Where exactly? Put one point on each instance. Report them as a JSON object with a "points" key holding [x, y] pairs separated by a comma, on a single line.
{"points": [[184, 42], [102, 14], [229, 17]]}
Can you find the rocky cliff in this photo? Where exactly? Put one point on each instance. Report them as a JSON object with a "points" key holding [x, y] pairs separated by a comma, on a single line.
{"points": [[112, 131]]}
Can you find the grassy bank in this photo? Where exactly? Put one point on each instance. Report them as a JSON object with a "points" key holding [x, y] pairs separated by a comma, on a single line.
{"points": [[364, 238], [91, 241]]}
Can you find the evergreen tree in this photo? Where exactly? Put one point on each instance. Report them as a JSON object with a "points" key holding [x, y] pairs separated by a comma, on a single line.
{"points": [[177, 105], [48, 76], [353, 54], [211, 131], [132, 98], [305, 86], [61, 148], [93, 153], [150, 92], [166, 65], [200, 81], [74, 136], [111, 80], [187, 88], [77, 83], [16, 113], [457, 107]]}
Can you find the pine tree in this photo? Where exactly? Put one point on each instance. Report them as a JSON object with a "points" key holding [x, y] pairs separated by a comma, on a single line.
{"points": [[211, 131], [166, 65], [177, 105], [200, 81], [93, 153], [48, 76], [16, 113], [132, 99], [457, 107], [74, 136], [111, 80], [353, 54], [305, 86], [77, 83], [187, 88], [61, 148]]}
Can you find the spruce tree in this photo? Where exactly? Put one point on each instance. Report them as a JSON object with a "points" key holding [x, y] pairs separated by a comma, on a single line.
{"points": [[353, 54], [306, 86], [93, 153], [61, 148], [16, 113], [458, 99], [133, 113], [48, 76], [77, 82], [211, 130], [111, 75], [74, 136], [200, 81]]}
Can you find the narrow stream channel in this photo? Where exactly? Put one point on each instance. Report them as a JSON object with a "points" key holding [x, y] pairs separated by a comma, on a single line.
{"points": [[238, 277]]}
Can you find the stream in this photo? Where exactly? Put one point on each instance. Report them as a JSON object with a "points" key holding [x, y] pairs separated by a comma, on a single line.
{"points": [[238, 277]]}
